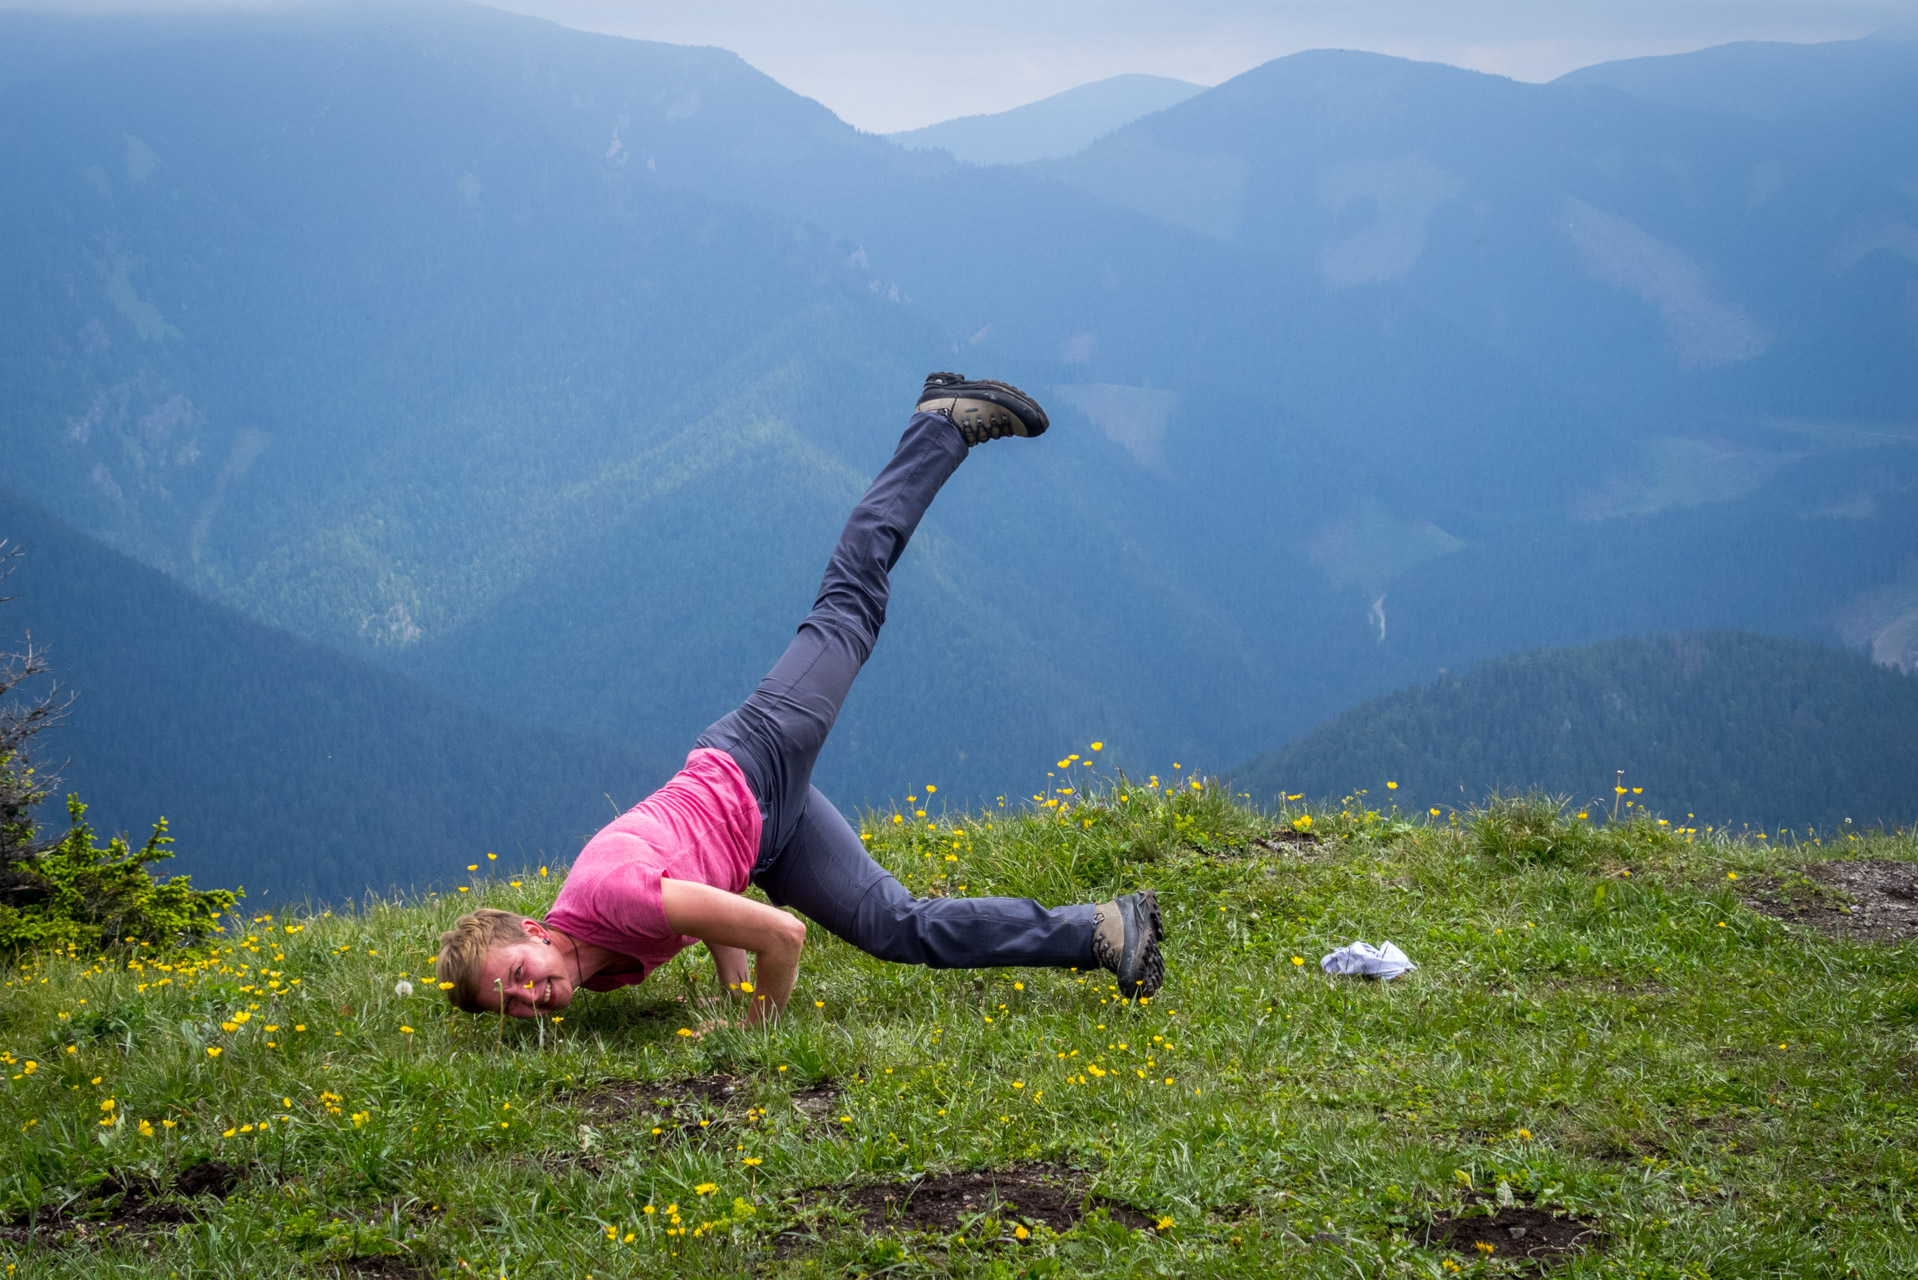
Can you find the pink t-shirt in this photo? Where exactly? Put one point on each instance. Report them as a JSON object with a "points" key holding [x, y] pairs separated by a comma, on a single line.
{"points": [[703, 826]]}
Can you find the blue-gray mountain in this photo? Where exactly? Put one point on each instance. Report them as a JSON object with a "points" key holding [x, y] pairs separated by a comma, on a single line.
{"points": [[1051, 128], [542, 366], [281, 765], [1710, 728]]}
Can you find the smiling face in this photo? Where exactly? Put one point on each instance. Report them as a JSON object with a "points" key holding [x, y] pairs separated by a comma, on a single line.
{"points": [[533, 975]]}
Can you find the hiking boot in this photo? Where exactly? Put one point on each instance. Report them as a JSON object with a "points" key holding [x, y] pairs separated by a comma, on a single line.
{"points": [[1125, 939], [982, 410]]}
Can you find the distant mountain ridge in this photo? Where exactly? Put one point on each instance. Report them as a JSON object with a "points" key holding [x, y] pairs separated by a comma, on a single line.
{"points": [[1053, 127], [1766, 80], [1710, 728]]}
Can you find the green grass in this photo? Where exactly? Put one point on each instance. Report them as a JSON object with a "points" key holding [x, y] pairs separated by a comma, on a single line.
{"points": [[1598, 1026]]}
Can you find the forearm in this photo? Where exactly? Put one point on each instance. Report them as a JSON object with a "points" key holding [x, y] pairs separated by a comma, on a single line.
{"points": [[731, 925], [732, 963], [775, 969]]}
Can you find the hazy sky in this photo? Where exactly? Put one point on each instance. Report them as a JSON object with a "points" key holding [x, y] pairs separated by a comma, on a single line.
{"points": [[897, 64]]}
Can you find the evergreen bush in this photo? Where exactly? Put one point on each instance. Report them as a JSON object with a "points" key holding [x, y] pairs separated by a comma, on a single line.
{"points": [[86, 897]]}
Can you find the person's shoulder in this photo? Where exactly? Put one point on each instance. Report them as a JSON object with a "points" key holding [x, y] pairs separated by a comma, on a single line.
{"points": [[626, 839]]}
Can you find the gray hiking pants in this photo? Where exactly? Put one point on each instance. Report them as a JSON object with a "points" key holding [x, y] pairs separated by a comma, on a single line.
{"points": [[810, 858]]}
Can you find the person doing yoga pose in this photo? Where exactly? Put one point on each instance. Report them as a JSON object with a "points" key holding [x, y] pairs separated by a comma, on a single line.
{"points": [[673, 870]]}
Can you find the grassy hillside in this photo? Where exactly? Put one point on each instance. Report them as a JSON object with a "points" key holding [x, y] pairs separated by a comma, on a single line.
{"points": [[280, 765], [1724, 725], [1604, 1045]]}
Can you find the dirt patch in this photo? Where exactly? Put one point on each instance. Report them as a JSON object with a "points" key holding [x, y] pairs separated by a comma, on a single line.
{"points": [[1030, 1195], [1867, 899], [1514, 1231], [382, 1267], [564, 1163], [215, 1178], [671, 1109], [697, 1104], [819, 1103], [632, 1100], [128, 1202], [1285, 840]]}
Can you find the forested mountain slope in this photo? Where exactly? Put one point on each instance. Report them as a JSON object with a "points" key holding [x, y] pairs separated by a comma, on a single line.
{"points": [[1716, 727], [542, 366], [278, 764]]}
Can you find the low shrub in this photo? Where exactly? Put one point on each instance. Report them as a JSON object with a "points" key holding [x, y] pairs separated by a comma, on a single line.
{"points": [[82, 896]]}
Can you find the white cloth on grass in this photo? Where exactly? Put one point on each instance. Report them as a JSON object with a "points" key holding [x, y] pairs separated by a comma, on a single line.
{"points": [[1363, 960]]}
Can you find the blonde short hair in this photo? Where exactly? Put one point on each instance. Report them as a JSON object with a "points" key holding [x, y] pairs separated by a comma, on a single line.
{"points": [[463, 950]]}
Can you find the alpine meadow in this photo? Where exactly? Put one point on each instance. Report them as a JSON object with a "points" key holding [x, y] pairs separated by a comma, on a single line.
{"points": [[1475, 514]]}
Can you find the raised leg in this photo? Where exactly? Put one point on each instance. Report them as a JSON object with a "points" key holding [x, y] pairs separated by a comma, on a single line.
{"points": [[777, 733]]}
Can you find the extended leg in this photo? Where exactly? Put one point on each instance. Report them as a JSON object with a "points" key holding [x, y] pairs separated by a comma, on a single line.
{"points": [[826, 873]]}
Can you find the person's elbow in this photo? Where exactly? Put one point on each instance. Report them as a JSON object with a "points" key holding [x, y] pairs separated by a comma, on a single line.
{"points": [[787, 940]]}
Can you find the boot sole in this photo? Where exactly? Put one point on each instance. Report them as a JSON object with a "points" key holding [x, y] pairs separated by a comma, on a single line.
{"points": [[1147, 963], [981, 402]]}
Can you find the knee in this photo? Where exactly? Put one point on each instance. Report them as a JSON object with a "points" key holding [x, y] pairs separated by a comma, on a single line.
{"points": [[890, 928], [847, 622]]}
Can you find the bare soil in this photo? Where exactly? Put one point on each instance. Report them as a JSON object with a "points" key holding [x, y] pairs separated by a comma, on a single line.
{"points": [[697, 1104], [1029, 1195], [129, 1202], [1515, 1231], [215, 1178], [567, 1162], [1867, 899], [818, 1102], [383, 1267]]}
